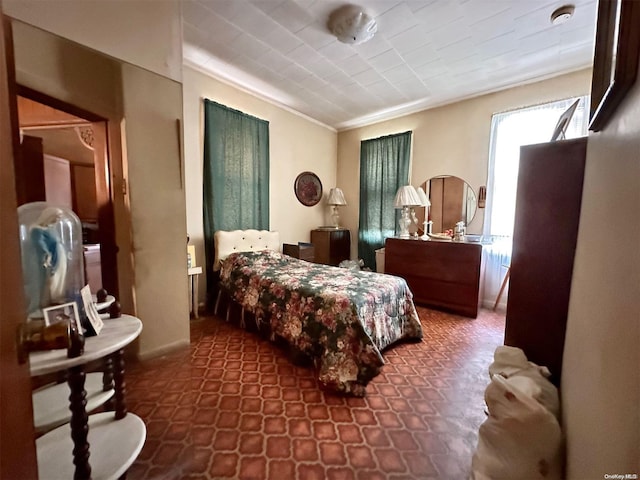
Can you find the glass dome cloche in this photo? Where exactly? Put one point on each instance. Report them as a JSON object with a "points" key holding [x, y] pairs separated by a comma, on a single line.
{"points": [[52, 256]]}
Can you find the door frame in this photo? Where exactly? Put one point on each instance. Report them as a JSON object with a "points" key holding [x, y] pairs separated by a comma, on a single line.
{"points": [[17, 436], [104, 190]]}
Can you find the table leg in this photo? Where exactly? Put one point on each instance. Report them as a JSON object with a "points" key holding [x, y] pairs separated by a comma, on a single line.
{"points": [[119, 384], [504, 284], [107, 381], [79, 423], [194, 295]]}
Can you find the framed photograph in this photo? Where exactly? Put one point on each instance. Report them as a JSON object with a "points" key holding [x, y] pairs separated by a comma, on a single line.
{"points": [[308, 188], [60, 313], [615, 61], [95, 322], [563, 122]]}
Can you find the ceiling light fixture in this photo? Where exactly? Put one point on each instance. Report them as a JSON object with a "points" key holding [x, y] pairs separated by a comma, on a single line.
{"points": [[562, 14], [351, 24]]}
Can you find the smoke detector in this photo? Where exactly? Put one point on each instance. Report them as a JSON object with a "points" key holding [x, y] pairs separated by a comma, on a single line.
{"points": [[351, 24], [562, 14]]}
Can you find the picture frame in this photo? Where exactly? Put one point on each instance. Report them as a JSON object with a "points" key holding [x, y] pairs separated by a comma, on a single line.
{"points": [[58, 313], [615, 62], [563, 122], [95, 322], [308, 188]]}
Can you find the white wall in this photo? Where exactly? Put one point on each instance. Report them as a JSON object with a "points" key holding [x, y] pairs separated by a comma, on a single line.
{"points": [[295, 145], [141, 32], [601, 369]]}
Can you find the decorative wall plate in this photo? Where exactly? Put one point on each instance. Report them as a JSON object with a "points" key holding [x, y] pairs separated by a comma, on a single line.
{"points": [[308, 188]]}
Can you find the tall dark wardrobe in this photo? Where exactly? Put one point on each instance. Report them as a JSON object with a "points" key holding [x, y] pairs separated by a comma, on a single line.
{"points": [[545, 233]]}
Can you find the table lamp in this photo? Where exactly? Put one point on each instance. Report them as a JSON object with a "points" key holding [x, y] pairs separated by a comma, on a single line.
{"points": [[336, 198], [406, 197]]}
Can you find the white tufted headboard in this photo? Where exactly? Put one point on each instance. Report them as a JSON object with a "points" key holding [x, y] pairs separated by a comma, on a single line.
{"points": [[228, 242]]}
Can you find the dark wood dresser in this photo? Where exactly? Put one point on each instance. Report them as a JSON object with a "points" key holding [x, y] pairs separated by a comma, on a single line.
{"points": [[441, 274], [331, 245]]}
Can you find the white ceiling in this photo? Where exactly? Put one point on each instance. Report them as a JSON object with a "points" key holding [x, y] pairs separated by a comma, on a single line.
{"points": [[425, 53]]}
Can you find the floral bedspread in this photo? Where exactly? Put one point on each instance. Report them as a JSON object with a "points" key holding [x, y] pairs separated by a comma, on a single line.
{"points": [[341, 318]]}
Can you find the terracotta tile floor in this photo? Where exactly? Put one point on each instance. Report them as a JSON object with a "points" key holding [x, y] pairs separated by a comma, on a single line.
{"points": [[234, 406]]}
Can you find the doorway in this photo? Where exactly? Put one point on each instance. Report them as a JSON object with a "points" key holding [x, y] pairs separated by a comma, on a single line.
{"points": [[65, 161]]}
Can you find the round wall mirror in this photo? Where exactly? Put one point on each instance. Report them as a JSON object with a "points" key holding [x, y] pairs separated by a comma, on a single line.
{"points": [[452, 200]]}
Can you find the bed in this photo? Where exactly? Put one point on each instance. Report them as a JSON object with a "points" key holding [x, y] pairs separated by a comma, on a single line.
{"points": [[340, 318]]}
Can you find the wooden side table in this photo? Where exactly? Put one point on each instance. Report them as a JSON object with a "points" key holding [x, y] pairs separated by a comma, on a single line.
{"points": [[115, 438], [194, 272], [332, 245], [301, 251]]}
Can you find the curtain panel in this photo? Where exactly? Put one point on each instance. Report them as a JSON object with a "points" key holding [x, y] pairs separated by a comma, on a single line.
{"points": [[236, 175], [384, 167]]}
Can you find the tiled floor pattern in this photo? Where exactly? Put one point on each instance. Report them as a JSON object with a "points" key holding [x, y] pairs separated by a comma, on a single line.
{"points": [[234, 406]]}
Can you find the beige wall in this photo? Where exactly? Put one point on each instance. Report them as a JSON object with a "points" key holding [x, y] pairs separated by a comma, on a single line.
{"points": [[141, 32], [295, 145], [143, 110], [449, 140], [152, 112], [601, 370], [81, 77]]}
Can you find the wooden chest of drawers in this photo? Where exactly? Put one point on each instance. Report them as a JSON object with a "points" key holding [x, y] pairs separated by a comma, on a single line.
{"points": [[332, 245], [442, 275]]}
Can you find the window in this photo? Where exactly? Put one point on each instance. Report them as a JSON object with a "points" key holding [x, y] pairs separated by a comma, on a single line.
{"points": [[236, 175], [384, 167], [509, 131]]}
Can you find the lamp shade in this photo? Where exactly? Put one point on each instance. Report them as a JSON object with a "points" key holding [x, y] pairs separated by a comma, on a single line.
{"points": [[424, 201], [336, 197], [407, 196]]}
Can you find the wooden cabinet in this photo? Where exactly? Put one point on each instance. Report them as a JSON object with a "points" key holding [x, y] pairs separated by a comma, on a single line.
{"points": [[545, 233], [92, 267], [29, 165], [85, 203], [331, 245], [57, 181], [443, 275], [303, 251]]}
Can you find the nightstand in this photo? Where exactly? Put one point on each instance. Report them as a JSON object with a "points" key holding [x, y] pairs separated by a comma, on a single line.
{"points": [[332, 245], [303, 251]]}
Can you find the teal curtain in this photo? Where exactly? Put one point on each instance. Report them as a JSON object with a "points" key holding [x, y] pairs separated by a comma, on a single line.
{"points": [[384, 167], [236, 175]]}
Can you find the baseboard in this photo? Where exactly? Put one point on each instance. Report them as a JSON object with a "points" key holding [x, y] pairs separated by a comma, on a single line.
{"points": [[158, 352]]}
